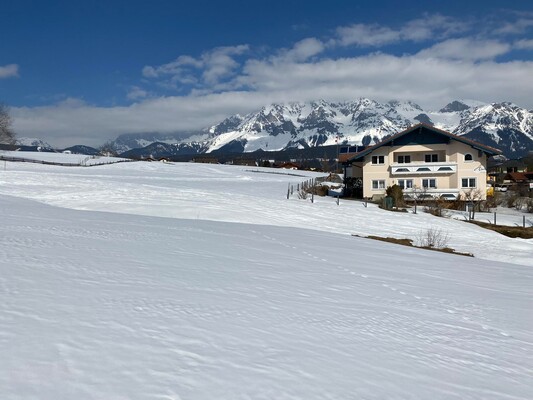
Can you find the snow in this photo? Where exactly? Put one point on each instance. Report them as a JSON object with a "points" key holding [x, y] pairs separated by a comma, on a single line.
{"points": [[239, 293], [504, 216], [25, 141], [237, 194], [81, 159]]}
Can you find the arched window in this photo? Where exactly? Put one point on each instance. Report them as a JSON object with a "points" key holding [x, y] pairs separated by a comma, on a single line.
{"points": [[469, 157]]}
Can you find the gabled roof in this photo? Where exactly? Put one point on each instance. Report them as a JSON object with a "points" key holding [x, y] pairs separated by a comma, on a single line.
{"points": [[517, 176], [390, 140]]}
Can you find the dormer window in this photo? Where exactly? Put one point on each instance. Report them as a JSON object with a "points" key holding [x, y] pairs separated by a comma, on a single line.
{"points": [[469, 157]]}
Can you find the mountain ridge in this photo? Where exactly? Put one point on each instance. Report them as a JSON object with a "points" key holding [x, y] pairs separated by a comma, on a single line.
{"points": [[363, 121]]}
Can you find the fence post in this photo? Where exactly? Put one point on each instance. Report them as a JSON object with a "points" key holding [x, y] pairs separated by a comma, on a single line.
{"points": [[338, 197], [313, 197], [494, 217], [288, 191], [524, 221]]}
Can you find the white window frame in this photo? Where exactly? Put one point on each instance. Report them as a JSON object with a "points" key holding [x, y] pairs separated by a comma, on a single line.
{"points": [[430, 155], [403, 183], [471, 157], [380, 160], [378, 184], [429, 183], [469, 181]]}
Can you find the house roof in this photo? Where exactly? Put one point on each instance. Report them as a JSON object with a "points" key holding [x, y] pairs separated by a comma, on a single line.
{"points": [[516, 176], [478, 146]]}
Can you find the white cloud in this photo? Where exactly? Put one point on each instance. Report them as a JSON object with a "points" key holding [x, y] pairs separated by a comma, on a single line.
{"points": [[9, 71], [374, 35], [366, 35], [303, 50], [136, 93], [208, 69], [70, 123], [429, 81], [149, 72], [518, 26], [433, 26], [524, 44], [466, 49], [72, 102]]}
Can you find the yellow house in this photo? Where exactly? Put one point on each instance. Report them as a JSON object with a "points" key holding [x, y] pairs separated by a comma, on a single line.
{"points": [[425, 162]]}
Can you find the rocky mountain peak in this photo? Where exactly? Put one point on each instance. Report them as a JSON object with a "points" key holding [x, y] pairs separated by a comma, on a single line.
{"points": [[454, 106]]}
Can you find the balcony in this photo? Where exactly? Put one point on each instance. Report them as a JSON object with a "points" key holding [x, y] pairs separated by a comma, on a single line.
{"points": [[423, 168]]}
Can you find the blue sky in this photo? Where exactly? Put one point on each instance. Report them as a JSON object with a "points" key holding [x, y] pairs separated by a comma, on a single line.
{"points": [[84, 72]]}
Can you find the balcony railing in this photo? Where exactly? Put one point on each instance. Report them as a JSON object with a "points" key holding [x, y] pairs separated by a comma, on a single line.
{"points": [[424, 168]]}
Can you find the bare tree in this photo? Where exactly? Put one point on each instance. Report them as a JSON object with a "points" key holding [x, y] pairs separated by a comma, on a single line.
{"points": [[418, 193], [474, 197], [7, 136], [108, 150]]}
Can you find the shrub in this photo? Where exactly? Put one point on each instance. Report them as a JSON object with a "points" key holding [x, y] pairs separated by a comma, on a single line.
{"points": [[433, 238], [519, 203], [511, 199], [396, 193], [491, 202], [321, 190], [436, 207], [529, 205]]}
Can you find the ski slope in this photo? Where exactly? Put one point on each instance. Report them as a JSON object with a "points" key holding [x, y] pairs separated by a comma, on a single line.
{"points": [[187, 281]]}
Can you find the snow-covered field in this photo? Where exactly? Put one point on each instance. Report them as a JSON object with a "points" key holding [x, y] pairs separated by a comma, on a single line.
{"points": [[81, 159], [239, 293]]}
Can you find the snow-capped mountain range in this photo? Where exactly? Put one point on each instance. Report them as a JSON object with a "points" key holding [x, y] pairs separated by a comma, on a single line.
{"points": [[364, 121], [32, 142]]}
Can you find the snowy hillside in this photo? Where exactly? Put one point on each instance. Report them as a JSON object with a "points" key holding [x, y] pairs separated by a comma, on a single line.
{"points": [[239, 293], [235, 194]]}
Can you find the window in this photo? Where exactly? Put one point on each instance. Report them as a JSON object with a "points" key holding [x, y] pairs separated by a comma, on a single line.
{"points": [[378, 159], [468, 182], [445, 169], [469, 157], [379, 184], [402, 170], [405, 183], [432, 158], [429, 183], [404, 159], [423, 169]]}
